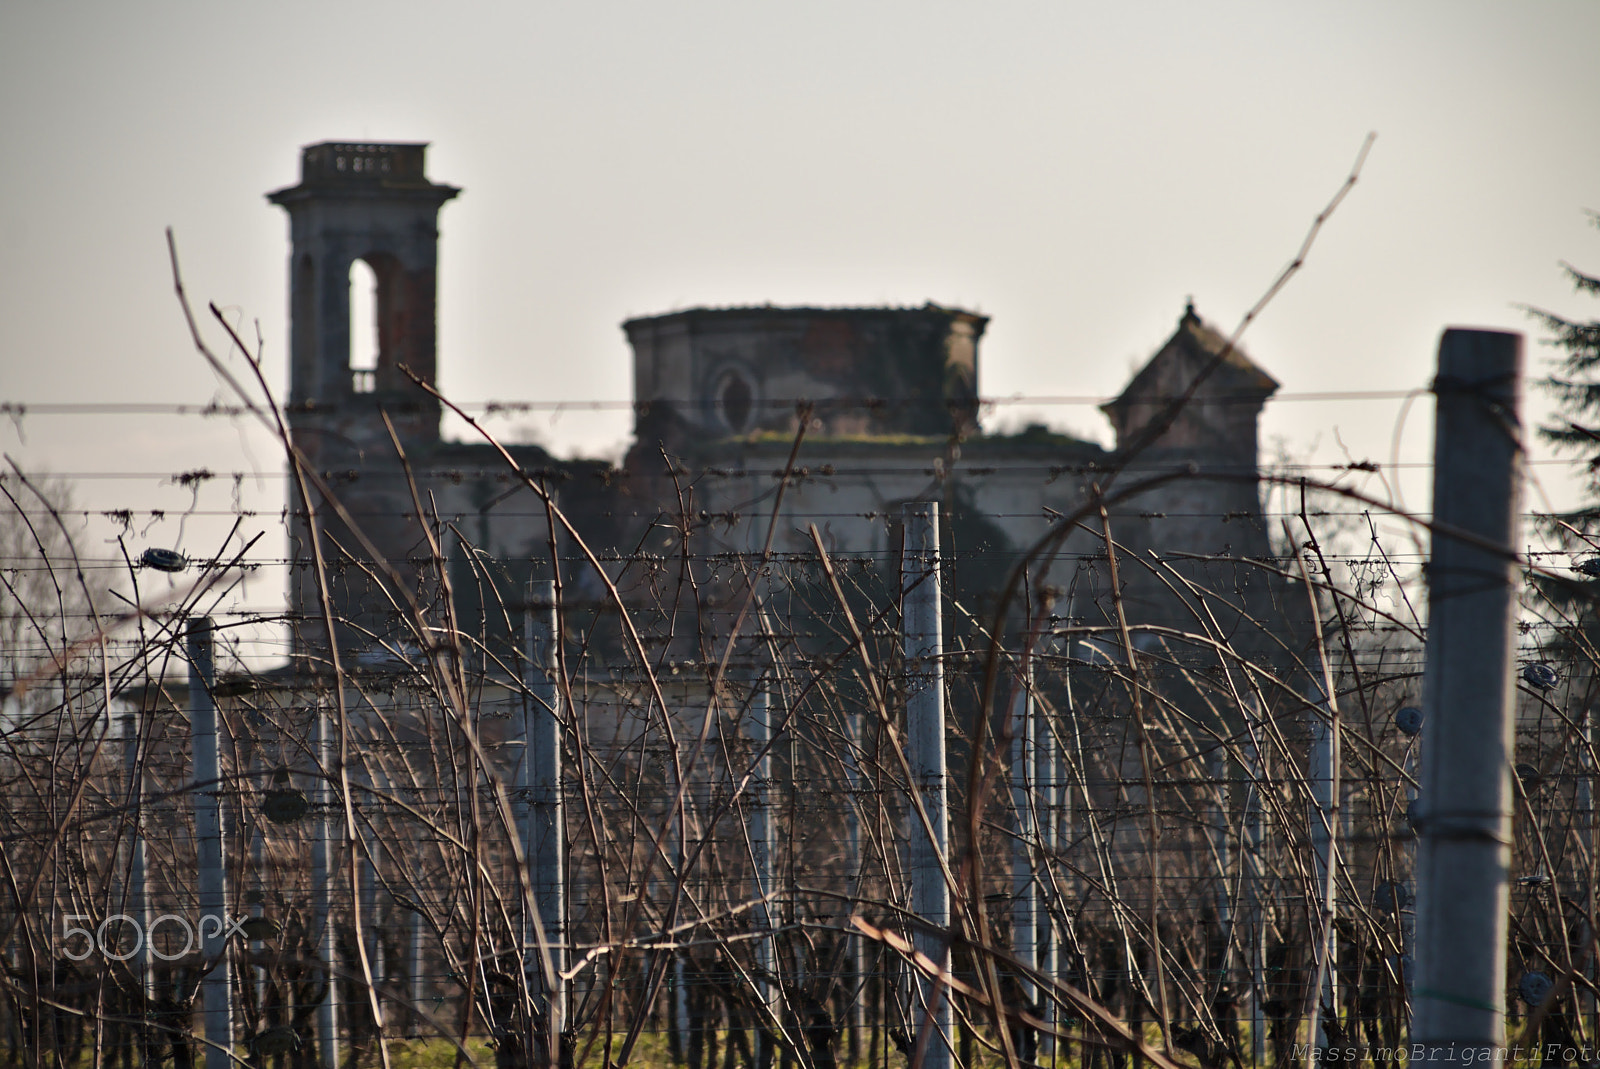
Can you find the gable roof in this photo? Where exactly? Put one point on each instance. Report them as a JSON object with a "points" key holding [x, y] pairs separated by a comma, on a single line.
{"points": [[1193, 347]]}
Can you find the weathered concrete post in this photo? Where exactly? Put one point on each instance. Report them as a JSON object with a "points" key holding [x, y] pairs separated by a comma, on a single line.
{"points": [[923, 644], [761, 842], [137, 896], [1253, 899], [415, 983], [1222, 852], [546, 822], [1408, 853], [258, 877], [1049, 784], [1586, 821], [1322, 772], [213, 921], [1025, 790], [370, 848], [322, 890], [1467, 699], [857, 1013]]}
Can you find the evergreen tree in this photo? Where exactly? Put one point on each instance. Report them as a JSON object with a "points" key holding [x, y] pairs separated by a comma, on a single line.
{"points": [[1576, 385], [1575, 430]]}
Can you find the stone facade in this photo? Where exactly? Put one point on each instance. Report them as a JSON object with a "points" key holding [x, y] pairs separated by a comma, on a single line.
{"points": [[890, 400]]}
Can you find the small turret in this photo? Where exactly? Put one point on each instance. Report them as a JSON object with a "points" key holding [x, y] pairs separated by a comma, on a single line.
{"points": [[1207, 525], [1217, 426]]}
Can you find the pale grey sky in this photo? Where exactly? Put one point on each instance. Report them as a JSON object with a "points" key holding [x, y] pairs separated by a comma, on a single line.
{"points": [[1074, 170]]}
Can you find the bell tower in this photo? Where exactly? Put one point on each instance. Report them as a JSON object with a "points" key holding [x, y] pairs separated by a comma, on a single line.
{"points": [[371, 203]]}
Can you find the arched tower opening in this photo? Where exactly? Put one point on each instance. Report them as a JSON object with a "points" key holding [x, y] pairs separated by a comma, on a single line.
{"points": [[379, 326], [363, 327]]}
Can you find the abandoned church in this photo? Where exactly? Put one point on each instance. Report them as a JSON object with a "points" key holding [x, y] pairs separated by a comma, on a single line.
{"points": [[883, 402]]}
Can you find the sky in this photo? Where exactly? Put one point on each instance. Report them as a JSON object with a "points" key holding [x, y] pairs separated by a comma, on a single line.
{"points": [[1076, 171]]}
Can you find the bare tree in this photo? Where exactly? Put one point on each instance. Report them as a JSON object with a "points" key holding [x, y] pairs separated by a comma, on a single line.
{"points": [[46, 603]]}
